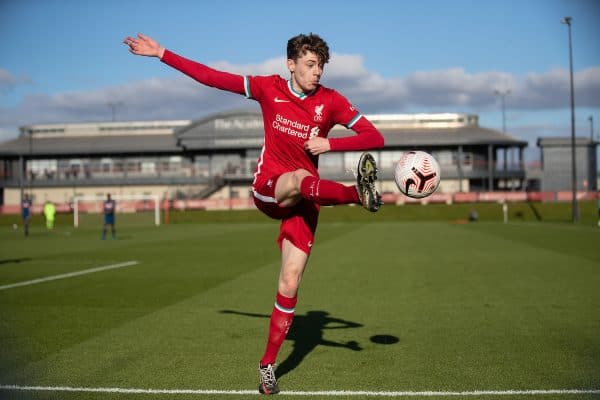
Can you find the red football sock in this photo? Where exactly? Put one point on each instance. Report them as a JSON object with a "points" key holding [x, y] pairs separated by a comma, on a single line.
{"points": [[327, 193], [281, 320]]}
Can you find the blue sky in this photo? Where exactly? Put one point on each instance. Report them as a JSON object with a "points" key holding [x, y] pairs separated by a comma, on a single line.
{"points": [[63, 60]]}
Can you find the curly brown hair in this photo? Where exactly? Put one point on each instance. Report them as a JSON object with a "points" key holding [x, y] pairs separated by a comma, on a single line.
{"points": [[300, 44]]}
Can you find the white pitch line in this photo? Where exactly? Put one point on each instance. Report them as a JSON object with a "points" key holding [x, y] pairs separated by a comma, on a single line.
{"points": [[533, 392], [68, 275]]}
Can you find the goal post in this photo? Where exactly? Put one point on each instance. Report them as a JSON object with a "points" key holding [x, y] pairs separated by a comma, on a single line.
{"points": [[128, 202]]}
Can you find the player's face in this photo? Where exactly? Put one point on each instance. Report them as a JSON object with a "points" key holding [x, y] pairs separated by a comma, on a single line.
{"points": [[306, 72]]}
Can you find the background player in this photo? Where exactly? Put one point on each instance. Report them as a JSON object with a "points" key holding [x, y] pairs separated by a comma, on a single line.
{"points": [[598, 208], [49, 214], [298, 114], [109, 206], [26, 213]]}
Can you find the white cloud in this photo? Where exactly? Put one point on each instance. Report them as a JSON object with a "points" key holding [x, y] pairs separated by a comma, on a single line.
{"points": [[179, 97], [268, 67], [8, 81]]}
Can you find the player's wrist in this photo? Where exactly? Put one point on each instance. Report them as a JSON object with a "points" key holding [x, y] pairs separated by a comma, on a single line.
{"points": [[332, 144], [161, 53]]}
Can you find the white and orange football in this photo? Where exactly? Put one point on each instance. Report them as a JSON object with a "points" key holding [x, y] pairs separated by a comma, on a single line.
{"points": [[417, 174]]}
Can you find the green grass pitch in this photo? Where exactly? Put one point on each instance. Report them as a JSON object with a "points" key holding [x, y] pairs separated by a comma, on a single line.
{"points": [[411, 299]]}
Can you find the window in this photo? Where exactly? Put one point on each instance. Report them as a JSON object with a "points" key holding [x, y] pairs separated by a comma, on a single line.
{"points": [[226, 164], [202, 166], [331, 163], [389, 158], [106, 164]]}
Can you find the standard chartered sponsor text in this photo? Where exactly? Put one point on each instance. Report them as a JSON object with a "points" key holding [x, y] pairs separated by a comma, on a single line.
{"points": [[293, 128]]}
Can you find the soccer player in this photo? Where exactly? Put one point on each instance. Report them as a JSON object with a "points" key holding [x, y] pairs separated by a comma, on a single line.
{"points": [[298, 114], [26, 213], [109, 208], [49, 213], [598, 194]]}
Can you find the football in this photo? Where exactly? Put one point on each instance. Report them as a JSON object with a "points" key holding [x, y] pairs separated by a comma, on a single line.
{"points": [[417, 174]]}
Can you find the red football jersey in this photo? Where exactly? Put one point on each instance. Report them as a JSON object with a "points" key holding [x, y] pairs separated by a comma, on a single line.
{"points": [[291, 118]]}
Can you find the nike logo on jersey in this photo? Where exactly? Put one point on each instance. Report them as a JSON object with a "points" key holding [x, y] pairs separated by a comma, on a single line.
{"points": [[278, 100]]}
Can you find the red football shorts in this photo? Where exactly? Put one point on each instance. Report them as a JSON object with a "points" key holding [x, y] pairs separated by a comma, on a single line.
{"points": [[298, 223]]}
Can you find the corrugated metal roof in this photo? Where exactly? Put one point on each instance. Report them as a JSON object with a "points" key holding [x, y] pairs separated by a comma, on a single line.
{"points": [[98, 145], [467, 135], [563, 141], [245, 129], [237, 130]]}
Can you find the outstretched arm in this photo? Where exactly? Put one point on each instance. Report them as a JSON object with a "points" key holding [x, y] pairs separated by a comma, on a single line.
{"points": [[144, 46]]}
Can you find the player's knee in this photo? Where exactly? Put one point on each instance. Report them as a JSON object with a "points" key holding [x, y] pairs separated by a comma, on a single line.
{"points": [[299, 175], [289, 283], [288, 190]]}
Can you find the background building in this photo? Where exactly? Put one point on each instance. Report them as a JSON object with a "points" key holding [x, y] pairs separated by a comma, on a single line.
{"points": [[556, 163], [215, 157]]}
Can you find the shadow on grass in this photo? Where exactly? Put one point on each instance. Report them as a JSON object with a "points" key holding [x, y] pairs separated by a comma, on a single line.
{"points": [[535, 211], [14, 260], [306, 333]]}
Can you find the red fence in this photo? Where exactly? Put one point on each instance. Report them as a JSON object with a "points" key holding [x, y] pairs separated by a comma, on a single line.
{"points": [[495, 197], [388, 198]]}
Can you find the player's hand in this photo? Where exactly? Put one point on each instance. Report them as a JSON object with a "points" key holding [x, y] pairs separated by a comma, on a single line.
{"points": [[144, 46], [317, 145]]}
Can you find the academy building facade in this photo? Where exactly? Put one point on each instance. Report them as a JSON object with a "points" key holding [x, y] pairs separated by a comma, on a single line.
{"points": [[215, 157]]}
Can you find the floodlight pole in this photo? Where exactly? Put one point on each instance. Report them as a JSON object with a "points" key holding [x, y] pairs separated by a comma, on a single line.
{"points": [[30, 161], [574, 207], [113, 107], [593, 146], [503, 95]]}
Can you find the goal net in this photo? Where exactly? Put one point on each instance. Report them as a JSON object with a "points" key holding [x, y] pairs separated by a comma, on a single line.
{"points": [[125, 204]]}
